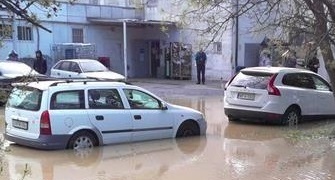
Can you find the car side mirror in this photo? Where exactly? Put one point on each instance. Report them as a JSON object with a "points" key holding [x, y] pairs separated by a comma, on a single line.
{"points": [[164, 106]]}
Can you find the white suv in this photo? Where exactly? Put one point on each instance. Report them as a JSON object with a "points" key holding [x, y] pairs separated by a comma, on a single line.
{"points": [[82, 113], [278, 94]]}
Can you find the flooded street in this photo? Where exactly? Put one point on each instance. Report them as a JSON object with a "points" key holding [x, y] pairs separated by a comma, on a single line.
{"points": [[228, 151]]}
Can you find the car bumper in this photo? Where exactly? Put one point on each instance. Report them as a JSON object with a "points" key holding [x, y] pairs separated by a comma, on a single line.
{"points": [[256, 116], [47, 142]]}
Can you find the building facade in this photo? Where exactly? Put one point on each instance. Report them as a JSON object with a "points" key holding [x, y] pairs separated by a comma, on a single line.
{"points": [[139, 42]]}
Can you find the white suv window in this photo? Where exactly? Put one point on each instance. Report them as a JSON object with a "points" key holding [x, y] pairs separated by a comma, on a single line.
{"points": [[104, 99], [301, 80], [141, 100], [255, 80], [320, 84], [68, 100]]}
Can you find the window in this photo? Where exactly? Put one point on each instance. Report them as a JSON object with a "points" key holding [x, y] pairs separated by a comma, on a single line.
{"points": [[104, 99], [65, 66], [77, 35], [320, 84], [6, 31], [24, 33], [255, 80], [152, 3], [75, 68], [25, 98], [217, 47], [68, 100], [300, 80], [140, 100]]}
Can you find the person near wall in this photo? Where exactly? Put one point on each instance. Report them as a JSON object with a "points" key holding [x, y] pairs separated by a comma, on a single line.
{"points": [[40, 64], [200, 60], [313, 64], [291, 59], [265, 58], [13, 56]]}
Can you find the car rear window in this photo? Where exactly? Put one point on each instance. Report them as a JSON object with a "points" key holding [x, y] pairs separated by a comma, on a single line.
{"points": [[25, 98], [255, 80]]}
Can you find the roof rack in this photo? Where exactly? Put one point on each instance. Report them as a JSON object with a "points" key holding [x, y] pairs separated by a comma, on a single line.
{"points": [[85, 80]]}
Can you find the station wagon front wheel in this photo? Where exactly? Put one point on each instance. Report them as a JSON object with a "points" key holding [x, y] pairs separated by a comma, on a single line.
{"points": [[188, 129], [82, 140]]}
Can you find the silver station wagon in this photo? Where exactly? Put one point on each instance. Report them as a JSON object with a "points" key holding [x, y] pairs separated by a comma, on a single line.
{"points": [[78, 114]]}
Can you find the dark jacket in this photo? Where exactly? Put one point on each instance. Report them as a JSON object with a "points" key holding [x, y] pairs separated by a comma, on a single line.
{"points": [[40, 64], [200, 57], [313, 64]]}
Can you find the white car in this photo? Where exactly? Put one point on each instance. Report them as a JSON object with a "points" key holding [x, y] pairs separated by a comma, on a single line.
{"points": [[15, 71], [84, 113], [83, 68], [278, 95]]}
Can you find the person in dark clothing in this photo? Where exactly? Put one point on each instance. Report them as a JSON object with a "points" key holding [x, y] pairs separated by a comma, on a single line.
{"points": [[313, 64], [13, 56], [200, 59], [40, 64]]}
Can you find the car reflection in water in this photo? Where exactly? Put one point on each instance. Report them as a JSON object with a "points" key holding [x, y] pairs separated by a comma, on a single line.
{"points": [[274, 152], [148, 160]]}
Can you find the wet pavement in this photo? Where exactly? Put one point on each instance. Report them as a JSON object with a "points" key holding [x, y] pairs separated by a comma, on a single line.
{"points": [[232, 151]]}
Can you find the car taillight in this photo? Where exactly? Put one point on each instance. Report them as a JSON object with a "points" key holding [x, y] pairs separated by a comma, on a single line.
{"points": [[272, 89], [45, 126]]}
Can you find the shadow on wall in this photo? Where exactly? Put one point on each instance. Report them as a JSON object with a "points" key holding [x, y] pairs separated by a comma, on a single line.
{"points": [[30, 62]]}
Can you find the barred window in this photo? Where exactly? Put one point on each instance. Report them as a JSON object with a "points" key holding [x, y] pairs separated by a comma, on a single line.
{"points": [[24, 33], [6, 31], [217, 47], [77, 35]]}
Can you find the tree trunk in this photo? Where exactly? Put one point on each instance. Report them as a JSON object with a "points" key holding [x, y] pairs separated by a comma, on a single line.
{"points": [[324, 40]]}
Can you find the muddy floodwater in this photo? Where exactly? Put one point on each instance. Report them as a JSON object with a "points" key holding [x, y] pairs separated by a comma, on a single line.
{"points": [[232, 151]]}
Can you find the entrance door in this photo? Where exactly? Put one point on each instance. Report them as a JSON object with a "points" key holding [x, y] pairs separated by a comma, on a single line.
{"points": [[154, 57], [251, 55]]}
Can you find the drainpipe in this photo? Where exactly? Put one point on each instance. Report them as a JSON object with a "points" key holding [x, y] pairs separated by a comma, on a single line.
{"points": [[125, 48], [38, 38]]}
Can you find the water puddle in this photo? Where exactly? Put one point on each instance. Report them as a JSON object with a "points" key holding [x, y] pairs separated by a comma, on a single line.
{"points": [[228, 151]]}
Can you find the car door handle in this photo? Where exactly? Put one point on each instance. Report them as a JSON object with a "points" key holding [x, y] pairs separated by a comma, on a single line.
{"points": [[58, 74], [137, 117], [99, 118]]}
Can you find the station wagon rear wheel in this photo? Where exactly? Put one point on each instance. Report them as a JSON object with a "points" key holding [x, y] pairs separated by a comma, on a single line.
{"points": [[188, 129], [291, 116], [82, 140]]}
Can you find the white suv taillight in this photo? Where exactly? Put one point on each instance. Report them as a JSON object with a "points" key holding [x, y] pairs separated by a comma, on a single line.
{"points": [[45, 126], [272, 89]]}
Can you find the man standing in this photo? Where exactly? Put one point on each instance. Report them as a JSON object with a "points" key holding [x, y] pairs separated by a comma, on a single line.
{"points": [[13, 56], [200, 59], [313, 64], [40, 64]]}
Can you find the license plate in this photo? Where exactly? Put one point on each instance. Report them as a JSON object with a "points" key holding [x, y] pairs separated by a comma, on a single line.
{"points": [[20, 124], [246, 96]]}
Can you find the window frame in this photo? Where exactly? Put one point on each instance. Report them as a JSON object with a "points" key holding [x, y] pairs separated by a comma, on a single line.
{"points": [[6, 31], [104, 104], [77, 35], [81, 97], [136, 104], [24, 33]]}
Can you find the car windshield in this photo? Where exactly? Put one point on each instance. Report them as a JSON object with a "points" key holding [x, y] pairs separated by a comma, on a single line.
{"points": [[255, 80], [25, 98], [92, 66], [17, 68]]}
